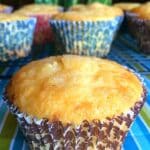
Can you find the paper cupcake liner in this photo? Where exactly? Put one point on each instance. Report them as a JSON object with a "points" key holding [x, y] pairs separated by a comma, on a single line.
{"points": [[99, 134], [140, 29], [16, 38], [85, 37], [7, 10]]}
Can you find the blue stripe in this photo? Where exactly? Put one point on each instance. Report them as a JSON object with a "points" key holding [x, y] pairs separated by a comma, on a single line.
{"points": [[18, 141], [129, 143], [2, 85], [141, 134], [3, 109]]}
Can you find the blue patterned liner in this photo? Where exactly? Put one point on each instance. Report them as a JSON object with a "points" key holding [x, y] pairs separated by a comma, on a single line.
{"points": [[85, 37], [16, 38]]}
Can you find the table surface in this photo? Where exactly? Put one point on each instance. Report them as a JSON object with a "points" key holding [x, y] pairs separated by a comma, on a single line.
{"points": [[124, 51]]}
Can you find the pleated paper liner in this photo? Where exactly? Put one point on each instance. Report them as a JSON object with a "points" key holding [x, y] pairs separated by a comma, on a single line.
{"points": [[16, 43], [99, 134], [85, 37]]}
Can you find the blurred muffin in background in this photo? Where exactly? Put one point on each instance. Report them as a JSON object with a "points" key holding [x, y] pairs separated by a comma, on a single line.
{"points": [[43, 13], [127, 6], [75, 102], [92, 6], [138, 22], [5, 9], [88, 31], [77, 7], [16, 36], [96, 5]]}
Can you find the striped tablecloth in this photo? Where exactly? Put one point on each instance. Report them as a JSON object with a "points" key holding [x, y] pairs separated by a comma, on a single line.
{"points": [[124, 51]]}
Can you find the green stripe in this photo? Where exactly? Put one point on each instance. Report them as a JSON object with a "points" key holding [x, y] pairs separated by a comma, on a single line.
{"points": [[138, 67], [7, 132], [148, 76], [145, 114], [2, 69]]}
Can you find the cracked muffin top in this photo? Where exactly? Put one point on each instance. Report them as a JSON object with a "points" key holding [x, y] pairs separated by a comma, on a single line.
{"points": [[35, 9], [127, 6], [73, 88], [90, 13]]}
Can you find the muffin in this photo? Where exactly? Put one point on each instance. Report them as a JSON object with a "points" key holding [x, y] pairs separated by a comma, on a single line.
{"points": [[86, 32], [77, 7], [80, 7], [16, 36], [138, 22], [74, 102], [43, 32], [96, 5], [127, 6], [5, 9]]}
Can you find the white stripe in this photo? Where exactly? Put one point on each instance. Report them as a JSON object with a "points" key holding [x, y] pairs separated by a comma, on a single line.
{"points": [[13, 139], [3, 121], [122, 148], [135, 140], [1, 102], [146, 103], [25, 147]]}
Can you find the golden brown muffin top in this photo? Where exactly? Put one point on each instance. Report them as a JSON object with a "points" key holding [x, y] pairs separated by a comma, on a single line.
{"points": [[143, 11], [38, 9], [73, 88], [127, 6], [96, 5], [11, 17], [93, 6], [77, 7], [105, 13], [2, 7]]}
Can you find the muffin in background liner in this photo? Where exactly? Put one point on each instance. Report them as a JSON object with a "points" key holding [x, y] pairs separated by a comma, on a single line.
{"points": [[16, 38], [97, 134], [85, 37], [43, 32], [140, 30]]}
